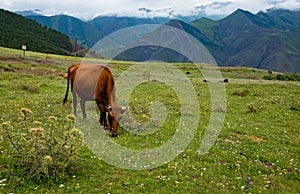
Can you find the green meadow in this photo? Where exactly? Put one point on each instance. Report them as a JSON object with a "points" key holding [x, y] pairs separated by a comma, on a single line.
{"points": [[41, 150]]}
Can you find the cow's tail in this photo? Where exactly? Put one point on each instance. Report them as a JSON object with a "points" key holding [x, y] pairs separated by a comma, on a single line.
{"points": [[66, 96]]}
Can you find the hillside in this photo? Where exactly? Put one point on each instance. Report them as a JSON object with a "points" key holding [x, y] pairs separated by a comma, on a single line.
{"points": [[16, 30], [266, 40], [111, 24], [76, 29]]}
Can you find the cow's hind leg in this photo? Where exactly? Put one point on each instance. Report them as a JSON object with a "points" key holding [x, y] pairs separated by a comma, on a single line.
{"points": [[74, 103], [82, 105]]}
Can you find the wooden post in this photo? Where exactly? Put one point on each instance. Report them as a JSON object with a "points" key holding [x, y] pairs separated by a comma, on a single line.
{"points": [[24, 49]]}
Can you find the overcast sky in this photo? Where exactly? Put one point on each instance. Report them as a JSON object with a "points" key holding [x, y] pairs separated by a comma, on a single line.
{"points": [[88, 9]]}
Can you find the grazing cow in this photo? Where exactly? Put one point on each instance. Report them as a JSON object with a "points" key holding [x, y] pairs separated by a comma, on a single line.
{"points": [[95, 83]]}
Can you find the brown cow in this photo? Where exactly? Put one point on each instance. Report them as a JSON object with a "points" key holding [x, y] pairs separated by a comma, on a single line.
{"points": [[95, 83]]}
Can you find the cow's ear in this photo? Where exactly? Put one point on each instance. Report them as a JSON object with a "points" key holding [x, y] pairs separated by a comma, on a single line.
{"points": [[123, 109], [108, 108]]}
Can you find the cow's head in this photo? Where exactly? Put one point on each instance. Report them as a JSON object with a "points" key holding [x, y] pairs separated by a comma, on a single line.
{"points": [[114, 116]]}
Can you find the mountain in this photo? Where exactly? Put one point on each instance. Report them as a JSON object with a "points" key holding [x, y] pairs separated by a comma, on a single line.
{"points": [[16, 30], [109, 24], [171, 14], [268, 41], [265, 40], [169, 48], [29, 12], [76, 29]]}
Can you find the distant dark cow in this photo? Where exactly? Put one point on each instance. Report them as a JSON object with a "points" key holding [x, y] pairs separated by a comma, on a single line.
{"points": [[95, 83]]}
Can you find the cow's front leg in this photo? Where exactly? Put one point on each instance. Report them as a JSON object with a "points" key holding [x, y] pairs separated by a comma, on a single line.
{"points": [[82, 105], [102, 119]]}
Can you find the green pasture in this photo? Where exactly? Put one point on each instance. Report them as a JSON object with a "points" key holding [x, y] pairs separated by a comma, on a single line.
{"points": [[257, 150]]}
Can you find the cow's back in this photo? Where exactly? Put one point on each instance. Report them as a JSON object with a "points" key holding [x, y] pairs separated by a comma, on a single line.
{"points": [[86, 79]]}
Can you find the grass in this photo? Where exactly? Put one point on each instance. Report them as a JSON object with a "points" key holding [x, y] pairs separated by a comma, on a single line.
{"points": [[256, 151]]}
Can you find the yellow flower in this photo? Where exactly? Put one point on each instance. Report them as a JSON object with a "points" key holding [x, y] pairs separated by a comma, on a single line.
{"points": [[6, 124], [71, 117], [22, 114], [52, 118], [74, 130], [37, 130], [26, 110], [37, 122], [47, 158]]}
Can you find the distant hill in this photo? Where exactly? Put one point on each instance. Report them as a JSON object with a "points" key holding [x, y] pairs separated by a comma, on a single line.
{"points": [[16, 30], [76, 29], [111, 24], [90, 32], [265, 40]]}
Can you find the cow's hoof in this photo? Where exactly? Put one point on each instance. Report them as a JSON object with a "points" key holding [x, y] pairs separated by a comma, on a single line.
{"points": [[114, 134]]}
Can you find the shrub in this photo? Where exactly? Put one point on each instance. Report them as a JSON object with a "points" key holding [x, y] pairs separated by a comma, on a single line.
{"points": [[40, 153], [283, 77], [295, 105], [30, 88], [241, 93], [268, 77], [254, 107]]}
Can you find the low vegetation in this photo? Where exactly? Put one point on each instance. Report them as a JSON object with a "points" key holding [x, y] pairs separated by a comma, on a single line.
{"points": [[283, 77], [257, 150]]}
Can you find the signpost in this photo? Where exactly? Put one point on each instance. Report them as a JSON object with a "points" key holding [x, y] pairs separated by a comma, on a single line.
{"points": [[24, 49]]}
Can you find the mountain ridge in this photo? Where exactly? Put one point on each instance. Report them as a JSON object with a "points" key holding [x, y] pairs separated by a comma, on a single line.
{"points": [[255, 41], [266, 40]]}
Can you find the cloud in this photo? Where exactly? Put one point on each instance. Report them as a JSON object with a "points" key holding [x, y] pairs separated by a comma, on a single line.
{"points": [[150, 8], [291, 4]]}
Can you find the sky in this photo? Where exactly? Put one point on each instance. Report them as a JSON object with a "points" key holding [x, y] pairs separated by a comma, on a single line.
{"points": [[88, 9]]}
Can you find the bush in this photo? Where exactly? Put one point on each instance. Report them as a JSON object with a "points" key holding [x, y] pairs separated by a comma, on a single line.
{"points": [[283, 77], [30, 88], [254, 107], [39, 153], [241, 93], [268, 77]]}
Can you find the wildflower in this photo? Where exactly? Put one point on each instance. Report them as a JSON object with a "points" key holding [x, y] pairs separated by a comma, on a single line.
{"points": [[71, 117], [6, 124], [37, 122], [52, 118], [22, 114], [26, 110], [37, 130], [61, 186], [74, 131], [47, 158]]}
